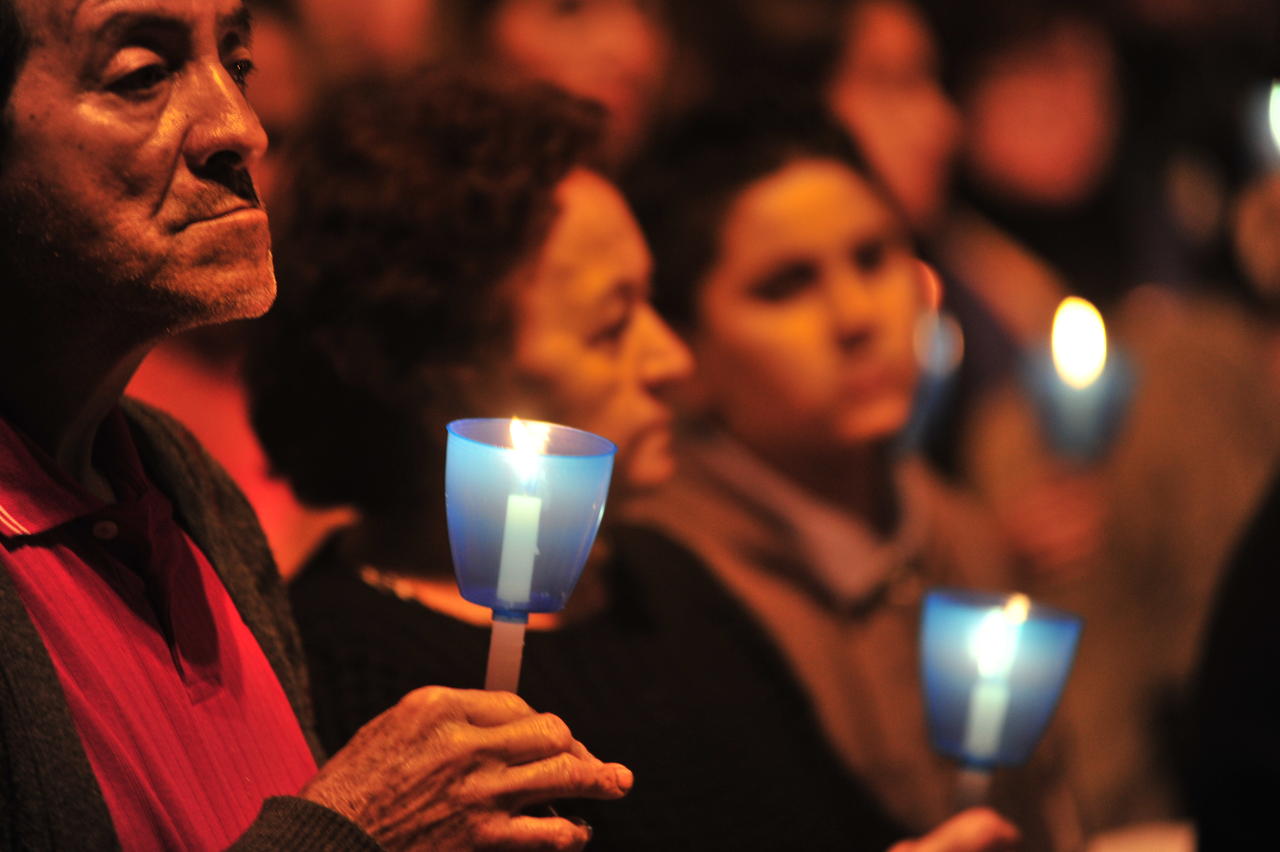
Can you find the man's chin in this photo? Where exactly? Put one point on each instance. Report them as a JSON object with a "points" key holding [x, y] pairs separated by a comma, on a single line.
{"points": [[243, 292]]}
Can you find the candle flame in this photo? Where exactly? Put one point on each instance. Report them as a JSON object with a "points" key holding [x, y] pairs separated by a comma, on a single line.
{"points": [[1079, 342], [1017, 608], [1273, 114], [529, 440], [994, 642]]}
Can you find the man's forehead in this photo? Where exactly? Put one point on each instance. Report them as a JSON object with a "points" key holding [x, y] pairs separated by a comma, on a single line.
{"points": [[68, 17]]}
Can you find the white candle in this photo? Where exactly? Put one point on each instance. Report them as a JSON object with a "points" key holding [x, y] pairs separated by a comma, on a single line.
{"points": [[994, 645], [987, 706], [519, 548]]}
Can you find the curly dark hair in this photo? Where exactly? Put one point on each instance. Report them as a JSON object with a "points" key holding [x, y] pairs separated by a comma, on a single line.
{"points": [[682, 187], [411, 202]]}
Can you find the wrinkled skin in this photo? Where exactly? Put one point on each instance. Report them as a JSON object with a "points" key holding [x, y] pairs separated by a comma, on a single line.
{"points": [[451, 769]]}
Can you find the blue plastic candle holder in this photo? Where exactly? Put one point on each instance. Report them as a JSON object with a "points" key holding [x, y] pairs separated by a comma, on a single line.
{"points": [[522, 523], [992, 681], [1079, 423]]}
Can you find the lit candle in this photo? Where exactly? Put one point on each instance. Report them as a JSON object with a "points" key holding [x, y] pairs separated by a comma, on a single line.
{"points": [[1078, 343], [994, 667], [524, 513], [994, 646], [521, 522], [1273, 114], [1080, 387]]}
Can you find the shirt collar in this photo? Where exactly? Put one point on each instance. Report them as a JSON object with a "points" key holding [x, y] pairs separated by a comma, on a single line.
{"points": [[841, 555], [36, 495]]}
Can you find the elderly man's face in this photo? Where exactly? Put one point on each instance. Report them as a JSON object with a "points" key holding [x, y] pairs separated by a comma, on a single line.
{"points": [[125, 173]]}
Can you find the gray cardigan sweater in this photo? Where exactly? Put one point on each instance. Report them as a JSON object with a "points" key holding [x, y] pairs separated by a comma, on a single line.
{"points": [[49, 797]]}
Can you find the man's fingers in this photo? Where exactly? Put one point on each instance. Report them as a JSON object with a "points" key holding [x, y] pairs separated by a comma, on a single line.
{"points": [[531, 738], [553, 834], [477, 706], [577, 749], [485, 708], [974, 830], [561, 777]]}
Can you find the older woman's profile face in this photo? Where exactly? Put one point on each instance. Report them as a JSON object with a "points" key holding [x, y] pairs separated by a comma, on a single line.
{"points": [[589, 350], [805, 321], [611, 51]]}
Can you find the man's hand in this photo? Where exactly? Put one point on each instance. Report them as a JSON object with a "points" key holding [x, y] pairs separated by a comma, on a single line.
{"points": [[451, 769], [974, 830]]}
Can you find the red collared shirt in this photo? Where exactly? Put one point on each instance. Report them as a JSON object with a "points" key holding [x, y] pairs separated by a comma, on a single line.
{"points": [[184, 722]]}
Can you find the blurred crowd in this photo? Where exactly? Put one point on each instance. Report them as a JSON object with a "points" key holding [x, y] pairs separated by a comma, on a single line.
{"points": [[817, 186]]}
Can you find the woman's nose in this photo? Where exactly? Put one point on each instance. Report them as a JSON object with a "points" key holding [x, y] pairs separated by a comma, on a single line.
{"points": [[664, 358], [851, 308]]}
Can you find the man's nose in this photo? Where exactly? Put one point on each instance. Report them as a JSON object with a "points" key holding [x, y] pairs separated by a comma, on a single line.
{"points": [[224, 129]]}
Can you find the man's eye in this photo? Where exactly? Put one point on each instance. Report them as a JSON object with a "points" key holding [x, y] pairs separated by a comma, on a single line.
{"points": [[142, 80], [241, 70]]}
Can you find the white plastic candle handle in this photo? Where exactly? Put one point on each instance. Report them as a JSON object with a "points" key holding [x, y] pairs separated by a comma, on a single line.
{"points": [[506, 650]]}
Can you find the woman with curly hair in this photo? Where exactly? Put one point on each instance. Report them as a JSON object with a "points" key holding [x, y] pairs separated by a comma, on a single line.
{"points": [[448, 250]]}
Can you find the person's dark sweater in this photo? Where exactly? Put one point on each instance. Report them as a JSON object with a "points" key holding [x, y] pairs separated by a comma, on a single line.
{"points": [[672, 678], [49, 796], [1235, 767]]}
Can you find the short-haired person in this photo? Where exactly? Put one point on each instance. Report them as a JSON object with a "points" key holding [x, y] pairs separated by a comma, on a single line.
{"points": [[452, 252], [153, 694], [790, 273]]}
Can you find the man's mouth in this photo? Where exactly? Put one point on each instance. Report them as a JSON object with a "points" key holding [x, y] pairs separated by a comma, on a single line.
{"points": [[215, 215], [241, 183]]}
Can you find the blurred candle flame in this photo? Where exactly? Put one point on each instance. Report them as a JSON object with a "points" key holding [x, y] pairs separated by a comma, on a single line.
{"points": [[1079, 342], [1273, 114], [529, 440], [995, 640]]}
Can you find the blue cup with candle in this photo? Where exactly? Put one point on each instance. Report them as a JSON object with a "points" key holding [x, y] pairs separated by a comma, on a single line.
{"points": [[1080, 387], [994, 667], [524, 500]]}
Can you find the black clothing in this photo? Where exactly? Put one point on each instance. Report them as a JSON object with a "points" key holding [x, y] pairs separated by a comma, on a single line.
{"points": [[672, 679], [1234, 775]]}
